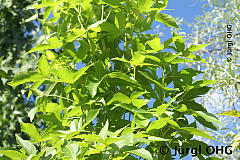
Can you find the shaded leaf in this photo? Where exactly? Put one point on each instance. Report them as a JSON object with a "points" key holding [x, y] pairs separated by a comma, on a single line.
{"points": [[27, 146], [71, 150], [90, 117], [142, 153]]}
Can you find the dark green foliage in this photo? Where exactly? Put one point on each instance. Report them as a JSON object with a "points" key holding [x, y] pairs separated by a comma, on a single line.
{"points": [[16, 37]]}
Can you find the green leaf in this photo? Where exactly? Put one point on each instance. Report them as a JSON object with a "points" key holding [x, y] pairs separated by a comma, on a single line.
{"points": [[179, 43], [205, 82], [166, 19], [168, 57], [133, 109], [53, 43], [137, 59], [195, 57], [69, 49], [39, 47], [76, 33], [139, 102], [46, 14], [233, 113], [109, 27], [143, 153], [123, 76], [47, 4], [120, 98], [194, 48], [196, 92], [90, 117], [214, 158], [111, 140], [74, 111], [3, 74], [181, 60], [146, 75], [89, 137], [161, 4], [92, 84], [71, 150], [112, 3], [195, 131], [12, 154], [155, 44], [32, 113], [171, 40], [95, 25], [27, 146], [142, 120], [38, 156], [144, 5], [117, 132], [1, 60], [162, 108], [193, 105], [157, 124], [137, 94], [120, 20], [43, 66], [208, 117], [24, 77], [54, 108], [104, 131], [31, 130], [65, 75]]}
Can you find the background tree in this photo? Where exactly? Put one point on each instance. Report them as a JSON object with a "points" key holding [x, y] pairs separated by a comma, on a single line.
{"points": [[212, 27], [17, 33]]}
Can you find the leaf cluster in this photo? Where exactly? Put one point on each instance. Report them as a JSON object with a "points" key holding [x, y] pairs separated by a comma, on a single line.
{"points": [[102, 110]]}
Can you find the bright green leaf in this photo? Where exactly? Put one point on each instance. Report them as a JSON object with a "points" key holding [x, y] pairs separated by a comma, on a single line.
{"points": [[233, 113], [120, 98], [104, 131], [31, 130], [166, 19], [43, 66], [155, 44], [24, 77], [157, 124], [13, 154]]}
